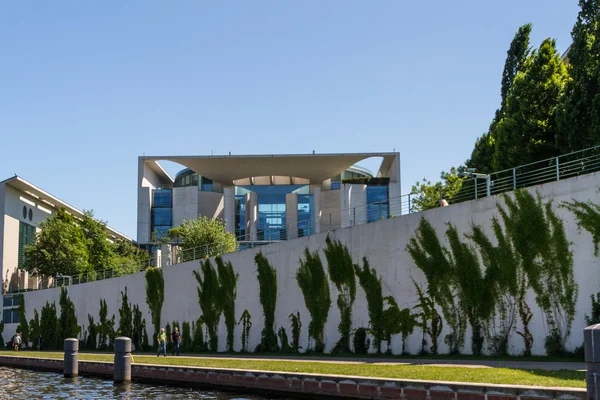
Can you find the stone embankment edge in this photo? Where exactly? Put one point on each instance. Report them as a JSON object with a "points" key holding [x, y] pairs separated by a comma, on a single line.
{"points": [[306, 385]]}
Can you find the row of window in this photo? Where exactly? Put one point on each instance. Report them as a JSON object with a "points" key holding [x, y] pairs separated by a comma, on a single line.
{"points": [[26, 237], [11, 316]]}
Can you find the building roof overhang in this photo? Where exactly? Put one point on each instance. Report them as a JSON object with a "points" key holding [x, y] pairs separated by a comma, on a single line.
{"points": [[315, 168], [49, 200]]}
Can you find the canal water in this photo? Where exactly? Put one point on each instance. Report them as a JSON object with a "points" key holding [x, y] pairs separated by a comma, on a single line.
{"points": [[26, 384]]}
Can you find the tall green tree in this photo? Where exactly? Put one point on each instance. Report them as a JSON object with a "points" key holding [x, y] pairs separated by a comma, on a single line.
{"points": [[427, 195], [579, 111], [101, 253], [68, 317], [23, 327], [34, 329], [201, 232], [483, 153], [155, 296], [527, 130], [125, 316], [59, 248], [228, 293], [209, 298]]}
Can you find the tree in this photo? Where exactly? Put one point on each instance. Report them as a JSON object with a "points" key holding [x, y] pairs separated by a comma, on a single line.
{"points": [[201, 232], [127, 254], [527, 130], [23, 327], [34, 329], [100, 250], [428, 195], [209, 298], [228, 293], [59, 248], [125, 316], [49, 328], [579, 111], [155, 296], [483, 152]]}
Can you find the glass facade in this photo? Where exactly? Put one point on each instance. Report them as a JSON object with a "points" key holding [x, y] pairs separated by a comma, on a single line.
{"points": [[377, 203], [26, 237], [162, 211], [187, 178], [240, 216], [306, 222]]}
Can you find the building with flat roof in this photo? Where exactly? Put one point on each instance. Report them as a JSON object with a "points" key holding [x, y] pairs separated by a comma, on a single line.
{"points": [[266, 197], [22, 207]]}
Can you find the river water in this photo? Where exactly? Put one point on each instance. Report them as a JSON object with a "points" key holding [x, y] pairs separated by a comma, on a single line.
{"points": [[26, 384]]}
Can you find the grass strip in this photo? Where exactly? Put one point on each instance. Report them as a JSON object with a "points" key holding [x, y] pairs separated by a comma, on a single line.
{"points": [[562, 378]]}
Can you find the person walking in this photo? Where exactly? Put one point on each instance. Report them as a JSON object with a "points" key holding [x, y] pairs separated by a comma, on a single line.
{"points": [[162, 342], [17, 341], [175, 339]]}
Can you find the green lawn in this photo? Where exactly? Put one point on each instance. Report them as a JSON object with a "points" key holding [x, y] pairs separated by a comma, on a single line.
{"points": [[561, 378]]}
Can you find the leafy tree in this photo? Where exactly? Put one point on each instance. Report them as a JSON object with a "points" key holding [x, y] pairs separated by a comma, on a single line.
{"points": [[315, 287], [68, 317], [246, 323], [34, 329], [129, 256], [203, 231], [483, 153], [527, 130], [49, 327], [428, 195], [23, 327], [198, 335], [100, 250], [125, 316], [341, 272], [103, 325], [59, 248], [579, 111], [228, 293], [155, 296], [431, 321]]}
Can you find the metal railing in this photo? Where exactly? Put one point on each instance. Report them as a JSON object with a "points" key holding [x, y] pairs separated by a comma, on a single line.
{"points": [[553, 169]]}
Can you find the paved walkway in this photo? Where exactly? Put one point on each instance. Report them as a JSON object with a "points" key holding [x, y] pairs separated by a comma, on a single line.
{"points": [[526, 365]]}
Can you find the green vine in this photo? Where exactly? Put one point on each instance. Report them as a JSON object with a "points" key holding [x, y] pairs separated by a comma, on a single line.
{"points": [[68, 317], [106, 327], [341, 272], [431, 321], [315, 287], [228, 288], [396, 321], [49, 327], [595, 317], [210, 300], [587, 216], [125, 316], [199, 345], [283, 339], [361, 342], [246, 322], [138, 325], [371, 284], [155, 296], [296, 329], [267, 281], [92, 334]]}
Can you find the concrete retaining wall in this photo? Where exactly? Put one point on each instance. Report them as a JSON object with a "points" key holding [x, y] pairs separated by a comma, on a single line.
{"points": [[308, 385]]}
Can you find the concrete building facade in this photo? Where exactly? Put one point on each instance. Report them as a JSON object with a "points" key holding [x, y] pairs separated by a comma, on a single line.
{"points": [[266, 197]]}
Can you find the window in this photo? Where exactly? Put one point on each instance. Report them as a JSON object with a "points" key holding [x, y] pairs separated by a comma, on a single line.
{"points": [[377, 203], [26, 237], [162, 211], [306, 223], [162, 216], [162, 198], [240, 216], [8, 301], [11, 316], [207, 185]]}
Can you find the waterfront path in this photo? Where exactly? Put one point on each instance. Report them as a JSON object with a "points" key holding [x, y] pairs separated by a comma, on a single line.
{"points": [[534, 373]]}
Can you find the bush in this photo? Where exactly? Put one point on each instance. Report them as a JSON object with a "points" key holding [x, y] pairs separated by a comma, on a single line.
{"points": [[553, 343], [361, 342]]}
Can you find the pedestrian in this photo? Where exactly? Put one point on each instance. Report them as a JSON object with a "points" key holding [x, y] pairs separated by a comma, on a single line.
{"points": [[175, 339], [162, 342], [17, 341]]}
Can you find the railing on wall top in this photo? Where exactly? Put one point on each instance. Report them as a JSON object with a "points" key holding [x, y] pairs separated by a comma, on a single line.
{"points": [[552, 169]]}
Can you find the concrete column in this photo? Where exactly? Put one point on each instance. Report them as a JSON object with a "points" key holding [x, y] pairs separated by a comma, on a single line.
{"points": [[229, 208], [251, 216], [157, 255], [165, 256], [315, 190], [122, 365], [291, 215], [353, 204], [71, 358], [395, 201]]}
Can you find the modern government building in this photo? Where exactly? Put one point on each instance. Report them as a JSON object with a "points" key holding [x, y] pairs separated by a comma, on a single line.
{"points": [[266, 197]]}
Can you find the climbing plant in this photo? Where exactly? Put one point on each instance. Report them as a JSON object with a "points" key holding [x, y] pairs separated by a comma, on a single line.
{"points": [[594, 318], [341, 273], [68, 317], [315, 287], [228, 293], [125, 317], [210, 300], [155, 296], [23, 327], [267, 282], [587, 216], [431, 321], [34, 330], [396, 321], [138, 325], [106, 327], [296, 329], [360, 341], [198, 336], [371, 284], [283, 339], [246, 322]]}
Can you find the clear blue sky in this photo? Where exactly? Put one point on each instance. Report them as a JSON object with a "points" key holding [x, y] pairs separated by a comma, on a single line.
{"points": [[88, 86]]}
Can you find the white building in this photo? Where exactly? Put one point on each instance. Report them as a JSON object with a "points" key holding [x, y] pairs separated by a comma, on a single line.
{"points": [[22, 207], [267, 197]]}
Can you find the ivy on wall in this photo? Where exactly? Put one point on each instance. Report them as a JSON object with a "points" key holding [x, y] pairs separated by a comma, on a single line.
{"points": [[49, 327], [106, 327], [431, 321], [210, 300], [587, 216], [155, 296], [371, 284], [246, 322], [92, 334], [396, 321], [267, 282], [296, 329], [315, 287], [228, 286], [198, 343], [125, 317], [341, 272], [186, 336], [138, 326]]}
